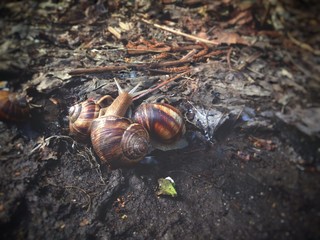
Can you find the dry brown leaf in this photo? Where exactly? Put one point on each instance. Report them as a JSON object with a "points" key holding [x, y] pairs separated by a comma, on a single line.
{"points": [[263, 143], [230, 38], [306, 120]]}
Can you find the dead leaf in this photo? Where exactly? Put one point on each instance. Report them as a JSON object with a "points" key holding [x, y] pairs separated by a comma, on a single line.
{"points": [[262, 143], [50, 81], [230, 38], [306, 120]]}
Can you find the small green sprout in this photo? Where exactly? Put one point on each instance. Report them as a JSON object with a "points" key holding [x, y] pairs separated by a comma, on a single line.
{"points": [[166, 187]]}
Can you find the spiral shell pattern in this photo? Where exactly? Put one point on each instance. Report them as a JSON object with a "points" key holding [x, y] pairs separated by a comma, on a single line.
{"points": [[118, 141], [164, 123], [80, 118]]}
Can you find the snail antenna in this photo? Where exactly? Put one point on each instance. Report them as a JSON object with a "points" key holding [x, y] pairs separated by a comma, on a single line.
{"points": [[134, 89], [120, 90]]}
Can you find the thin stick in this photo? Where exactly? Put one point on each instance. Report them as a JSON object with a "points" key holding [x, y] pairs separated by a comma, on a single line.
{"points": [[137, 66], [177, 32], [303, 45], [136, 51], [249, 60], [161, 85], [188, 55]]}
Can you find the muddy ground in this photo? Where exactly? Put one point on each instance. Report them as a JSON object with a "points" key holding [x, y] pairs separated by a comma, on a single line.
{"points": [[250, 99]]}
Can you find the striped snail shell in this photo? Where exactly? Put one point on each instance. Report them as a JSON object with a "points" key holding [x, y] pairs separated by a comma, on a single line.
{"points": [[164, 123], [117, 140], [82, 114], [13, 106]]}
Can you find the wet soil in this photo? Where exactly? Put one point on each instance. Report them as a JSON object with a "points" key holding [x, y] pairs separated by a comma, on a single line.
{"points": [[251, 167]]}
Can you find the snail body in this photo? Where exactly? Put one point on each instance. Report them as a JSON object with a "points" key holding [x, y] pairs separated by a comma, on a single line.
{"points": [[82, 114], [164, 123], [13, 107]]}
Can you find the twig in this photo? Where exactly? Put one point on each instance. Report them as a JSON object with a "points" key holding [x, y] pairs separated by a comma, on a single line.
{"points": [[200, 55], [136, 66], [46, 141], [188, 55], [132, 51], [249, 60], [303, 45], [161, 85], [214, 53], [179, 69], [177, 32], [171, 70]]}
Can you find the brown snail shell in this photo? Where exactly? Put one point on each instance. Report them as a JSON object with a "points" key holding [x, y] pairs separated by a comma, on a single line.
{"points": [[82, 114], [164, 123], [118, 141], [13, 107]]}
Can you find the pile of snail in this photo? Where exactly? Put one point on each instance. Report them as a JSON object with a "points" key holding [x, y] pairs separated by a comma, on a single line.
{"points": [[121, 142], [118, 141]]}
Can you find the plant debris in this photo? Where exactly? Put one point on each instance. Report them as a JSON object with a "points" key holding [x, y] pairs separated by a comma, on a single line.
{"points": [[166, 187]]}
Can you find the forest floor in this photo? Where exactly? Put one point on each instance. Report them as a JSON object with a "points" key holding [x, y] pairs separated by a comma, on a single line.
{"points": [[246, 78]]}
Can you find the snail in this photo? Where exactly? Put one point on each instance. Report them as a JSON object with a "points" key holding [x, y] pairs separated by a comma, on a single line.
{"points": [[164, 123], [121, 142], [82, 114], [13, 106], [118, 141]]}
